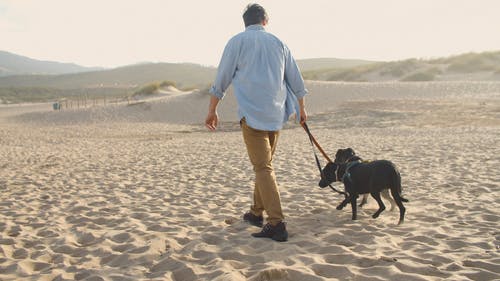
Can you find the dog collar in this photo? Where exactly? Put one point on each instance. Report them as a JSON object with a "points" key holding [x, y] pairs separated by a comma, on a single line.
{"points": [[337, 174], [347, 174]]}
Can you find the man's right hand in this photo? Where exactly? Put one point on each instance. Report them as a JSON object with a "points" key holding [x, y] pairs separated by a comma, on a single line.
{"points": [[211, 121], [303, 115]]}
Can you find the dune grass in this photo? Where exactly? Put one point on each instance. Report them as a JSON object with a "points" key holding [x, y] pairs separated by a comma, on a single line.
{"points": [[341, 74], [471, 62], [40, 94], [153, 88], [413, 69], [400, 68], [149, 89]]}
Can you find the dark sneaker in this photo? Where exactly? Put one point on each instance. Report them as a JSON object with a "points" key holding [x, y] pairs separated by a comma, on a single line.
{"points": [[277, 232], [253, 219]]}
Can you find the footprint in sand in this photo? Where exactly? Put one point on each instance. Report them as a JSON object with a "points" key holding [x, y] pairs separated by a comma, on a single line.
{"points": [[122, 238], [332, 271], [32, 267], [212, 239], [86, 239], [46, 233], [20, 254], [7, 241], [273, 274]]}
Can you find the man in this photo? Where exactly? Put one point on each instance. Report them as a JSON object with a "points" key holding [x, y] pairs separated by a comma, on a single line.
{"points": [[269, 88]]}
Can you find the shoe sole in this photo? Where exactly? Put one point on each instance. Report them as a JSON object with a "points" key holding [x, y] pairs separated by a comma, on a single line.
{"points": [[283, 237], [254, 223], [280, 238]]}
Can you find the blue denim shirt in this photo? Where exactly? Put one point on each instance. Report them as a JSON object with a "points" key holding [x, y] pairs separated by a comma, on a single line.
{"points": [[265, 77]]}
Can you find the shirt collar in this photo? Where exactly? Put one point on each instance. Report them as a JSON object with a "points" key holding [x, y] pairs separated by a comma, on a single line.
{"points": [[255, 27]]}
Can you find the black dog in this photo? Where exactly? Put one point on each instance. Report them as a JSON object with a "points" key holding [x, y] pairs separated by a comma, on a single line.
{"points": [[362, 178], [348, 155]]}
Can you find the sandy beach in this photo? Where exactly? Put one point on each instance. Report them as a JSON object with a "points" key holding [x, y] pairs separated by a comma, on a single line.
{"points": [[145, 192]]}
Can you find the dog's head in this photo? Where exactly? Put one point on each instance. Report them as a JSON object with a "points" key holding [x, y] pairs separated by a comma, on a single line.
{"points": [[328, 174], [343, 155]]}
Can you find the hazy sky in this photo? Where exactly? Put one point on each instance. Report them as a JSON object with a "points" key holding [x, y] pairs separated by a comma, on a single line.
{"points": [[119, 32]]}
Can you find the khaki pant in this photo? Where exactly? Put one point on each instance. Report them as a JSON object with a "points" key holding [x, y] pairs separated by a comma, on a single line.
{"points": [[260, 147]]}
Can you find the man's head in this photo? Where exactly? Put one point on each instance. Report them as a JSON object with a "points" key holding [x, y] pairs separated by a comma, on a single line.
{"points": [[255, 14]]}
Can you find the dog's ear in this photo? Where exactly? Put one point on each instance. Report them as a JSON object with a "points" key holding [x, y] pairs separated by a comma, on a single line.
{"points": [[339, 152]]}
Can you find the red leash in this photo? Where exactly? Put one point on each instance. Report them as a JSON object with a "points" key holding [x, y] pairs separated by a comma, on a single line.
{"points": [[314, 142]]}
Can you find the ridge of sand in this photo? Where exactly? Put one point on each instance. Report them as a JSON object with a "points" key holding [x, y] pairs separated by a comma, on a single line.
{"points": [[190, 107]]}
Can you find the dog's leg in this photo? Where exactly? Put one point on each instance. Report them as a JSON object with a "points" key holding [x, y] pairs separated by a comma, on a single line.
{"points": [[396, 194], [381, 206], [386, 195], [402, 209], [344, 203], [364, 200], [354, 206]]}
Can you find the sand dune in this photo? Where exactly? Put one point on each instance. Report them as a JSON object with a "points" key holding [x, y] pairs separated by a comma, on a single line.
{"points": [[144, 192], [190, 107]]}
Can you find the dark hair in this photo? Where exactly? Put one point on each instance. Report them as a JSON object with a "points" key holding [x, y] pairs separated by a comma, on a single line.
{"points": [[254, 14]]}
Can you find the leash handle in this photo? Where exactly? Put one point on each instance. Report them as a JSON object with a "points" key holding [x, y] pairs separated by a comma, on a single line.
{"points": [[313, 140]]}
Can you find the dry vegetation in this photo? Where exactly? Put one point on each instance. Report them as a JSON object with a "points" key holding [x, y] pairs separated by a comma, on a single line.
{"points": [[414, 69], [122, 82]]}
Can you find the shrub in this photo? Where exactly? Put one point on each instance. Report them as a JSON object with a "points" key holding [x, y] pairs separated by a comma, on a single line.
{"points": [[147, 90], [167, 83]]}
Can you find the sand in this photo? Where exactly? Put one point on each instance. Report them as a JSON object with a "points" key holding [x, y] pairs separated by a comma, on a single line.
{"points": [[145, 192]]}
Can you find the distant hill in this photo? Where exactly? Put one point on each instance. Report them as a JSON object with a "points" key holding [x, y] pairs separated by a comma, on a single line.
{"points": [[12, 64], [465, 67], [184, 74], [117, 82], [124, 81], [329, 63]]}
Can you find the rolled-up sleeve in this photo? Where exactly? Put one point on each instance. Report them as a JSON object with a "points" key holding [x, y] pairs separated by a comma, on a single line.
{"points": [[292, 75], [226, 70]]}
